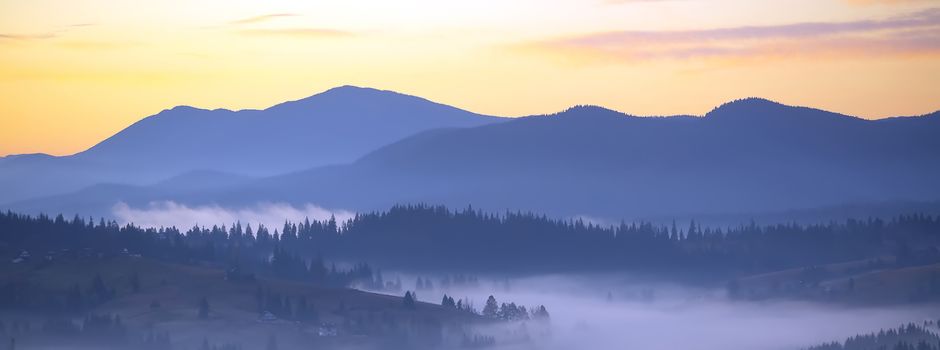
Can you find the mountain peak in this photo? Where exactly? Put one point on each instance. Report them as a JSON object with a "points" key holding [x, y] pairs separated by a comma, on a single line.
{"points": [[349, 90], [588, 111], [177, 112], [180, 109], [26, 158], [753, 109], [748, 104], [347, 87], [352, 91], [349, 95], [935, 114], [28, 155]]}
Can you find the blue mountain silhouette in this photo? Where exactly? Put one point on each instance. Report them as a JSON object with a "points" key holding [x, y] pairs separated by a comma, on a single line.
{"points": [[336, 126], [746, 156]]}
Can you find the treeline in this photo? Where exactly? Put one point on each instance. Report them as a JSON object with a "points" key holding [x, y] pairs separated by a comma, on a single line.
{"points": [[909, 337], [243, 254], [433, 238]]}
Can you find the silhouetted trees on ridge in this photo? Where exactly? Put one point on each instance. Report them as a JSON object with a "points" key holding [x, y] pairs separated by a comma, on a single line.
{"points": [[429, 238], [907, 337]]}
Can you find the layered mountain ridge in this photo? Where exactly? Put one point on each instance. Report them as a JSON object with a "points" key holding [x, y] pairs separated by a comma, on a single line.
{"points": [[746, 156]]}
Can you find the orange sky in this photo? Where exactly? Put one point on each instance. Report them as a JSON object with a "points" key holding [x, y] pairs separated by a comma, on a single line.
{"points": [[73, 72]]}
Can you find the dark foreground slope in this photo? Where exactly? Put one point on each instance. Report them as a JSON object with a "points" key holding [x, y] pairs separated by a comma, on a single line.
{"points": [[124, 302], [103, 286]]}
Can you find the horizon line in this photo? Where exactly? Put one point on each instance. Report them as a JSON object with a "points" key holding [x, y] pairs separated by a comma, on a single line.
{"points": [[575, 106]]}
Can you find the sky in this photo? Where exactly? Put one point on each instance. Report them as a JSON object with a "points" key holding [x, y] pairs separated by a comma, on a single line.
{"points": [[73, 72]]}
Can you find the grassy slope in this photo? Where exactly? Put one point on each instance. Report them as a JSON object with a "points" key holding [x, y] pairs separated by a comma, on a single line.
{"points": [[233, 317], [872, 284]]}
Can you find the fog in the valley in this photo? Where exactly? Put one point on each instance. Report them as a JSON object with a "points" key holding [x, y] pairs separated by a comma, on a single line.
{"points": [[612, 312], [171, 213], [599, 311]]}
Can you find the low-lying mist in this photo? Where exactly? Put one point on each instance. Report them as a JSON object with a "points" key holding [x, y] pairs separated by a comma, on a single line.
{"points": [[610, 312], [596, 311], [171, 213]]}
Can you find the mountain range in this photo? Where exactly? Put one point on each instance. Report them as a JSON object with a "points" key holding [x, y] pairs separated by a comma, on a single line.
{"points": [[362, 149], [336, 126]]}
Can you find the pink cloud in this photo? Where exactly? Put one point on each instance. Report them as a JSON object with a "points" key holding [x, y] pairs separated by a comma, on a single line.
{"points": [[917, 33]]}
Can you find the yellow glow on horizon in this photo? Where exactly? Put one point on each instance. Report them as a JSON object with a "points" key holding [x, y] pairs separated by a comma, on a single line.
{"points": [[75, 72]]}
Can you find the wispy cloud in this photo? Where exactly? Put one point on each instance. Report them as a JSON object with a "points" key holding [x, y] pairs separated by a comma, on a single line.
{"points": [[96, 45], [262, 18], [917, 33], [25, 37], [246, 27], [43, 35], [272, 215], [311, 33], [63, 41]]}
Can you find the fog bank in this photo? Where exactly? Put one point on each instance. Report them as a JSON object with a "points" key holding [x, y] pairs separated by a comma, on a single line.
{"points": [[272, 215], [608, 312]]}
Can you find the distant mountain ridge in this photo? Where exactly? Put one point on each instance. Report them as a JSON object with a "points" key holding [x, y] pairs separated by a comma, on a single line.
{"points": [[747, 156], [750, 155], [336, 126]]}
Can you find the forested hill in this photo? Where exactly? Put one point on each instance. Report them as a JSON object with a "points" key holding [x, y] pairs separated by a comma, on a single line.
{"points": [[424, 238], [909, 337]]}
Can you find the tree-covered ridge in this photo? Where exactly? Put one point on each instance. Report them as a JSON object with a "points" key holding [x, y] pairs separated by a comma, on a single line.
{"points": [[420, 237], [81, 281], [459, 238], [243, 254], [909, 337]]}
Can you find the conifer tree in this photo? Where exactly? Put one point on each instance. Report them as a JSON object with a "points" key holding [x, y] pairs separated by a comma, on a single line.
{"points": [[409, 300], [491, 309]]}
